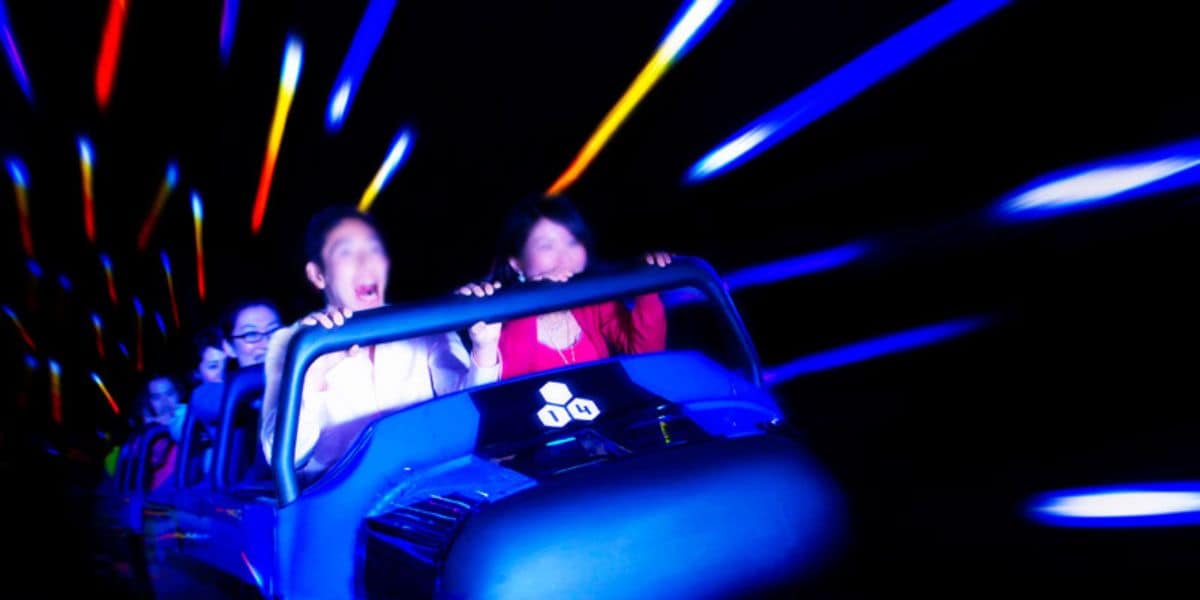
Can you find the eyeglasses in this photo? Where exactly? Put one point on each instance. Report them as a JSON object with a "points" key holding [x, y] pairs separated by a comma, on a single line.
{"points": [[254, 337]]}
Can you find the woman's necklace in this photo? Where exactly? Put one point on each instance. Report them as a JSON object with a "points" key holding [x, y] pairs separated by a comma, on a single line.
{"points": [[560, 331], [570, 349]]}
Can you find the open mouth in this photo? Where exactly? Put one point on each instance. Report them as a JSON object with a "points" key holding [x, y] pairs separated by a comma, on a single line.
{"points": [[367, 293]]}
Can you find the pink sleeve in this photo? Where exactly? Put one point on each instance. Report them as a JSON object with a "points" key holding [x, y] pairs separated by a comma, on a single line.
{"points": [[642, 330]]}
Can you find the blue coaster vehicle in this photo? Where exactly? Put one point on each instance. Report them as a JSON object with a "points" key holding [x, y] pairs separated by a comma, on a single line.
{"points": [[637, 474]]}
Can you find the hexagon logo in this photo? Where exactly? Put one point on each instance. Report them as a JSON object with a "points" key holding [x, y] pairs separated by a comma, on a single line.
{"points": [[583, 409], [555, 393], [558, 395], [553, 416]]}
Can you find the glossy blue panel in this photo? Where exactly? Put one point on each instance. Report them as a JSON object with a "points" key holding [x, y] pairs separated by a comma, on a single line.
{"points": [[721, 519], [718, 401], [317, 532]]}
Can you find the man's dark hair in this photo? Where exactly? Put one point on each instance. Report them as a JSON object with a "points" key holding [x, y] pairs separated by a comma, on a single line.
{"points": [[323, 222], [229, 317], [520, 220]]}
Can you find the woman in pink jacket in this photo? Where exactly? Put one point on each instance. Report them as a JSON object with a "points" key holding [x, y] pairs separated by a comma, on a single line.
{"points": [[546, 239]]}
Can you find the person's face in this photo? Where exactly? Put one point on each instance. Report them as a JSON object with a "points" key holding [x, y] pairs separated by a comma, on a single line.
{"points": [[163, 397], [355, 270], [549, 248], [212, 365], [252, 330]]}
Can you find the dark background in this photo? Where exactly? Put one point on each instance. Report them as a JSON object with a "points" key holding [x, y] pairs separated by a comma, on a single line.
{"points": [[1085, 375]]}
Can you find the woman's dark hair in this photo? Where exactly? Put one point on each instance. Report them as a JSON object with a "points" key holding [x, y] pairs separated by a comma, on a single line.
{"points": [[521, 219], [323, 222], [229, 317]]}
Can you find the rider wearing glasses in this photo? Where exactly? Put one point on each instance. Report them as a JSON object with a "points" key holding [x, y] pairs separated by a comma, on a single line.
{"points": [[248, 326]]}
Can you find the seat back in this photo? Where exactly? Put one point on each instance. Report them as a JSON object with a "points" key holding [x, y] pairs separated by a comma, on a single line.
{"points": [[157, 454], [196, 451], [239, 459], [248, 468]]}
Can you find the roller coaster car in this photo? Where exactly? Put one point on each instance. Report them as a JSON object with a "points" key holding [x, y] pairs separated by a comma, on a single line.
{"points": [[616, 478]]}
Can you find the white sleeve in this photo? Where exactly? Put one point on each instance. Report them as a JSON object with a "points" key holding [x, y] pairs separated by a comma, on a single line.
{"points": [[451, 368], [308, 430]]}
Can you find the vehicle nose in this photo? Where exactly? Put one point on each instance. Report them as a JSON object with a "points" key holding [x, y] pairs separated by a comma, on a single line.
{"points": [[749, 512]]}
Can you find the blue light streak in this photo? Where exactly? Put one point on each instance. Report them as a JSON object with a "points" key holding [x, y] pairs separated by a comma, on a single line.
{"points": [[873, 348], [842, 85], [395, 157], [776, 271], [166, 262], [362, 49], [16, 169], [172, 174], [1112, 180], [14, 56], [396, 154], [1128, 505], [689, 26], [197, 206], [798, 266], [228, 28], [85, 148]]}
